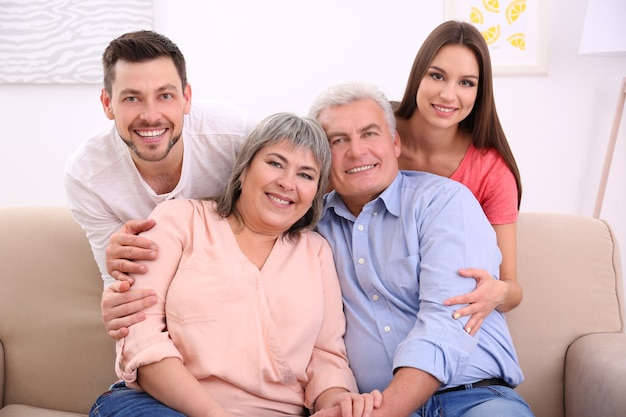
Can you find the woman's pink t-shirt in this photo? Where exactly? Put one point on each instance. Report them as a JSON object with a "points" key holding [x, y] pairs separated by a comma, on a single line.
{"points": [[486, 174]]}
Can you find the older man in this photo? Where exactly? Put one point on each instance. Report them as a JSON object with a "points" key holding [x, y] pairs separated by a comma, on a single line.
{"points": [[398, 239]]}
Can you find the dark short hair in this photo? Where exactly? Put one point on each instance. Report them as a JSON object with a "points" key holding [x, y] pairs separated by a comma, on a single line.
{"points": [[141, 46]]}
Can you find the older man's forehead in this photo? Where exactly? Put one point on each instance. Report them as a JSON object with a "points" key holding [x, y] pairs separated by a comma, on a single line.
{"points": [[363, 115]]}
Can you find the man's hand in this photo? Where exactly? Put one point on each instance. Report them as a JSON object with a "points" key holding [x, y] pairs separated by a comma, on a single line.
{"points": [[488, 295], [125, 247], [122, 307]]}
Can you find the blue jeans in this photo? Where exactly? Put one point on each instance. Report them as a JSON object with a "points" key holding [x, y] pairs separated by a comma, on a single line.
{"points": [[121, 401], [476, 402]]}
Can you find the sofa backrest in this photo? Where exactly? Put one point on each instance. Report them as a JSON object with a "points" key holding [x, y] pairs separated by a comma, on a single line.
{"points": [[569, 269], [55, 351]]}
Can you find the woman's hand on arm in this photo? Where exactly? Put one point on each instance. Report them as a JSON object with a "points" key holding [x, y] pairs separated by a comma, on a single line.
{"points": [[488, 295], [504, 294], [171, 383], [337, 402]]}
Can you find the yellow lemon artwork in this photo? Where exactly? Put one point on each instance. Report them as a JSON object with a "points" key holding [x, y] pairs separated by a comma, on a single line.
{"points": [[476, 16], [492, 34], [518, 40], [514, 10], [497, 22], [492, 5]]}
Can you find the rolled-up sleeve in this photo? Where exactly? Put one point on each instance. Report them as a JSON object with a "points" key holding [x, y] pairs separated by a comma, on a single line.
{"points": [[148, 341], [453, 233]]}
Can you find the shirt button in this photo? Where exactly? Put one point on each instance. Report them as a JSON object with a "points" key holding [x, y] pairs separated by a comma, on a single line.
{"points": [[360, 227], [387, 329], [375, 213], [361, 261], [375, 297]]}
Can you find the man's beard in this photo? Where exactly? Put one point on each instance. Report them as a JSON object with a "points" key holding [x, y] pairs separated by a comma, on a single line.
{"points": [[150, 157]]}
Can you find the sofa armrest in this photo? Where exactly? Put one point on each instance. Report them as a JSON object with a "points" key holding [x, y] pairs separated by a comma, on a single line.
{"points": [[2, 359], [595, 371]]}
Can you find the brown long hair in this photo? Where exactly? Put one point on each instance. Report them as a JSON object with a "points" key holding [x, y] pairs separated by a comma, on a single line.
{"points": [[482, 123]]}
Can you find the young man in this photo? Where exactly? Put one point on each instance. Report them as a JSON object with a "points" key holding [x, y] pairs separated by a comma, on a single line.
{"points": [[398, 239], [160, 146]]}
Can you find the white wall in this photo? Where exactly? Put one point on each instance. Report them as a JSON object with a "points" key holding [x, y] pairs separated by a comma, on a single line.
{"points": [[277, 55]]}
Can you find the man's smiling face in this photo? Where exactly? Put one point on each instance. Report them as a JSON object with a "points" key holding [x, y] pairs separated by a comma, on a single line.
{"points": [[364, 153], [148, 102]]}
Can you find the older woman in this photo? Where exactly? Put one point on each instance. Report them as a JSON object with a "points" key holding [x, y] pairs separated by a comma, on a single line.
{"points": [[249, 317]]}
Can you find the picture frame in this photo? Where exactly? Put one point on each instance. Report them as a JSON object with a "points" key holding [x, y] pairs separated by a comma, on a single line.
{"points": [[514, 31]]}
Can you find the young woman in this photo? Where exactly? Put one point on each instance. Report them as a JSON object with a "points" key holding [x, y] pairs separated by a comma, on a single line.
{"points": [[449, 126]]}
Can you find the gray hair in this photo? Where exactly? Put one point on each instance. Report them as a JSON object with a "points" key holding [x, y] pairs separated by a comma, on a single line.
{"points": [[350, 92], [301, 133]]}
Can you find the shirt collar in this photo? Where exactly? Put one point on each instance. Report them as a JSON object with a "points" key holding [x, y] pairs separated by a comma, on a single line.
{"points": [[390, 197]]}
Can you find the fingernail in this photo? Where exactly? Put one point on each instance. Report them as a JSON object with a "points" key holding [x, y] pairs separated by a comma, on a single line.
{"points": [[456, 316], [468, 330]]}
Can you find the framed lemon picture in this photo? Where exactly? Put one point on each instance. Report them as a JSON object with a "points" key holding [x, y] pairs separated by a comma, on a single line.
{"points": [[513, 29]]}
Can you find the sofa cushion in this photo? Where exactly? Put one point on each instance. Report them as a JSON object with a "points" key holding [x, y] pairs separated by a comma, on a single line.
{"points": [[28, 411], [57, 354], [571, 292]]}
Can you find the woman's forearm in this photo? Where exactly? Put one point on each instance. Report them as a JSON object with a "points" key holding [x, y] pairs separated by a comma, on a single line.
{"points": [[507, 242], [513, 296], [171, 383]]}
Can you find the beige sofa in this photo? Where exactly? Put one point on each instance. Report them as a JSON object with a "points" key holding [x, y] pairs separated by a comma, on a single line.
{"points": [[55, 357]]}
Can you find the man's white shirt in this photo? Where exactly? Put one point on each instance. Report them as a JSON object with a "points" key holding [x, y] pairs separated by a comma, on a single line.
{"points": [[104, 188]]}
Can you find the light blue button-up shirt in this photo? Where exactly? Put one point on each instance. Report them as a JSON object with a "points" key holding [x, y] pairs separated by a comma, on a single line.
{"points": [[397, 262]]}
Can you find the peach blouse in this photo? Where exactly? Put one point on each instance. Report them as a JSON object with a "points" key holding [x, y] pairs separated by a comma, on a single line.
{"points": [[263, 342]]}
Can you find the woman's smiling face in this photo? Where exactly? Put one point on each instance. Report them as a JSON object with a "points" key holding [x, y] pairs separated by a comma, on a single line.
{"points": [[447, 93], [278, 188]]}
